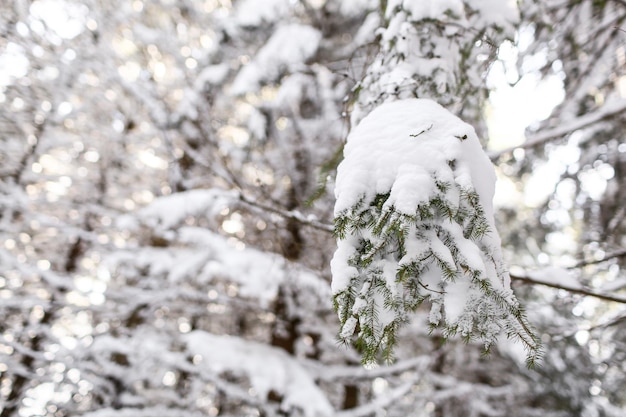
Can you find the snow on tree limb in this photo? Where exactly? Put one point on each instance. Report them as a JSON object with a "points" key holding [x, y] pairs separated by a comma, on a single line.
{"points": [[414, 221], [268, 369]]}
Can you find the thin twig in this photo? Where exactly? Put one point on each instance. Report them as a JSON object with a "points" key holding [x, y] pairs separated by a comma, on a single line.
{"points": [[565, 128], [382, 401], [575, 290], [616, 254], [291, 215]]}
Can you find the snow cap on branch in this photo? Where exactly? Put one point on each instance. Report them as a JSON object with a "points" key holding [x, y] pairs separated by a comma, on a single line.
{"points": [[414, 218]]}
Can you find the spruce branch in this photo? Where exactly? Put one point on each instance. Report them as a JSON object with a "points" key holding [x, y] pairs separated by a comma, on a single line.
{"points": [[384, 244]]}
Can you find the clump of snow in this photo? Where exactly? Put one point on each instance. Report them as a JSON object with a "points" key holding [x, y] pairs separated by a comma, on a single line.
{"points": [[212, 74], [556, 276], [172, 210], [400, 146], [207, 256], [455, 299], [503, 13], [255, 12], [470, 252], [367, 31], [267, 368], [342, 271], [354, 7], [289, 46]]}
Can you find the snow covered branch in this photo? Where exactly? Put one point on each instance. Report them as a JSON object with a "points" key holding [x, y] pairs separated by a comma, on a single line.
{"points": [[414, 221]]}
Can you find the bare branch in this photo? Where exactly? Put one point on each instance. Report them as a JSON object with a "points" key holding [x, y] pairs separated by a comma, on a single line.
{"points": [[572, 289], [291, 215], [606, 111], [616, 254], [334, 373], [380, 402]]}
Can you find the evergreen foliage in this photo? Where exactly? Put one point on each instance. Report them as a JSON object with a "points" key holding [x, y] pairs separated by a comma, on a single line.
{"points": [[443, 251], [165, 237], [375, 308]]}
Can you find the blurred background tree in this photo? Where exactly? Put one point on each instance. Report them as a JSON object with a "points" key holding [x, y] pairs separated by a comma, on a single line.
{"points": [[166, 197]]}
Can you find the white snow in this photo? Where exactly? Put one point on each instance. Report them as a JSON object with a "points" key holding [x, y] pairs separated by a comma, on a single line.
{"points": [[254, 12], [289, 46], [503, 13], [556, 276], [212, 74], [172, 210], [489, 12], [440, 250], [420, 9], [257, 274], [415, 248], [471, 252], [404, 148], [455, 299], [342, 271], [347, 329], [402, 144], [208, 256], [267, 368], [354, 7]]}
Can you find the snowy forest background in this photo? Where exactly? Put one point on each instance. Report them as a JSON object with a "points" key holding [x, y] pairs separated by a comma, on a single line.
{"points": [[166, 203]]}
